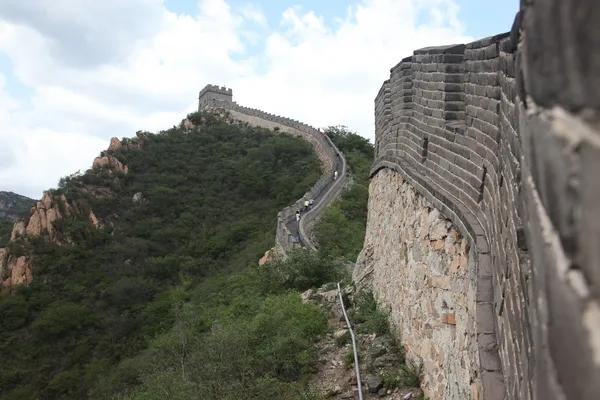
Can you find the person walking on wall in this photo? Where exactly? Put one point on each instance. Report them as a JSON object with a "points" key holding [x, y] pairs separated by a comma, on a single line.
{"points": [[306, 205], [297, 215], [311, 202], [335, 175]]}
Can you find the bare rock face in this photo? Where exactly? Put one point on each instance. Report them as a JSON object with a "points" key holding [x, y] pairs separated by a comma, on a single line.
{"points": [[43, 214], [137, 198], [109, 162], [264, 258], [13, 271], [18, 230], [21, 272], [16, 269], [93, 219], [115, 144]]}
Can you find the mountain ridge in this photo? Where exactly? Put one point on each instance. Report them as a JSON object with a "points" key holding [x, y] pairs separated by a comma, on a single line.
{"points": [[13, 205]]}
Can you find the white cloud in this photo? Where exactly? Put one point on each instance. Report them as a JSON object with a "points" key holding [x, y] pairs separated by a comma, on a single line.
{"points": [[103, 69]]}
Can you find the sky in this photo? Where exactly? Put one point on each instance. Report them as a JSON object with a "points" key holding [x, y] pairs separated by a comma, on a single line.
{"points": [[74, 73]]}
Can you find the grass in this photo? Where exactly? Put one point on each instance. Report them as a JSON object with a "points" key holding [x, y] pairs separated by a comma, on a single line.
{"points": [[368, 316], [349, 357], [411, 373]]}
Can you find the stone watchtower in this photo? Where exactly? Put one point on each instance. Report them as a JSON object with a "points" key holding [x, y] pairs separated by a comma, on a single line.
{"points": [[214, 92]]}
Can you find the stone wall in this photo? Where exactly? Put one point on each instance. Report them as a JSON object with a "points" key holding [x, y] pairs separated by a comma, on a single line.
{"points": [[506, 145], [323, 191], [419, 264]]}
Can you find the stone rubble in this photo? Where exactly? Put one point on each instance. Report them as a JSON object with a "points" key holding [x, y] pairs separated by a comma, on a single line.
{"points": [[335, 377]]}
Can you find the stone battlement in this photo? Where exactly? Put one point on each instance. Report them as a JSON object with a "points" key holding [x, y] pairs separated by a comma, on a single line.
{"points": [[216, 89], [212, 93], [492, 138]]}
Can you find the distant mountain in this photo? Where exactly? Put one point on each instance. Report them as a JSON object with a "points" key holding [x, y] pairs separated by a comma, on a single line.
{"points": [[13, 206]]}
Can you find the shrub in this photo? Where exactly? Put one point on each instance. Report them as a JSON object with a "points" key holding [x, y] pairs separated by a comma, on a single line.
{"points": [[367, 314], [301, 271]]}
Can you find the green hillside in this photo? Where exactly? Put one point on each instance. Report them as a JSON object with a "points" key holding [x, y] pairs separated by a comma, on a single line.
{"points": [[341, 228], [5, 229], [165, 287]]}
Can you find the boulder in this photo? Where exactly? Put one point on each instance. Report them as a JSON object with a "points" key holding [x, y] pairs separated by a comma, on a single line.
{"points": [[374, 383]]}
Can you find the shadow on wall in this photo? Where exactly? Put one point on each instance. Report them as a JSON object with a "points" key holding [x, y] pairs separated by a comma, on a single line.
{"points": [[520, 180]]}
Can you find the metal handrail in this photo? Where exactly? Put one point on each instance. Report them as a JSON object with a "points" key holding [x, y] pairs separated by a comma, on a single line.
{"points": [[356, 367]]}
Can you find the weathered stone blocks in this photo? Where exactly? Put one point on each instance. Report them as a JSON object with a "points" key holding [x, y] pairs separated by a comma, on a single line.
{"points": [[517, 175], [430, 257]]}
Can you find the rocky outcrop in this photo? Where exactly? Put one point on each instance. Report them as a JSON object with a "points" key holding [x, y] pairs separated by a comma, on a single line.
{"points": [[16, 269], [187, 124], [13, 271], [265, 258], [18, 230], [137, 198], [45, 212], [109, 162], [115, 144]]}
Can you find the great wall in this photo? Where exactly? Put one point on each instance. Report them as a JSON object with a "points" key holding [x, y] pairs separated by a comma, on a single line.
{"points": [[483, 227], [482, 236], [16, 269], [323, 192]]}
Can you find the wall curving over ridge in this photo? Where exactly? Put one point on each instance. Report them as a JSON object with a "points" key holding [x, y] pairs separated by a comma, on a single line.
{"points": [[506, 145], [324, 192]]}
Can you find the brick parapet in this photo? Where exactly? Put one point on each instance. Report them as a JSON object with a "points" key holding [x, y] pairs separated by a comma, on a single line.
{"points": [[453, 138], [518, 176]]}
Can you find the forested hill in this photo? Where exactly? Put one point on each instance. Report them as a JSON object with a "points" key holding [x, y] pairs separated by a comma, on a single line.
{"points": [[13, 205], [197, 204]]}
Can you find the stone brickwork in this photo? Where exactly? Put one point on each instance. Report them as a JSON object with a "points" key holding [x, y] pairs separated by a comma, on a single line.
{"points": [[322, 192], [411, 243], [507, 146]]}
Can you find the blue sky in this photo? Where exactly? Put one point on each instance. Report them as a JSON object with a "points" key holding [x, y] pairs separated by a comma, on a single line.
{"points": [[481, 17], [77, 73]]}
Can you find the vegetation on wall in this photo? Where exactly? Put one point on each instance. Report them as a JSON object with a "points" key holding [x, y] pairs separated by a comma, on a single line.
{"points": [[160, 302], [340, 231]]}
